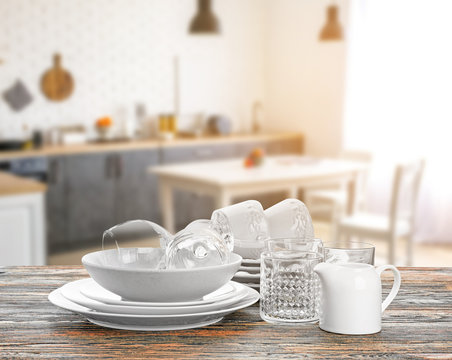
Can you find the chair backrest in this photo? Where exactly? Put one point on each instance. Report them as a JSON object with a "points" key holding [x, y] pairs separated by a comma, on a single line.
{"points": [[361, 180], [405, 191]]}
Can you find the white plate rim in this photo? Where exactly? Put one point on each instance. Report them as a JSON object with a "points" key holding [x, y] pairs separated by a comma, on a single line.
{"points": [[249, 300], [68, 290], [247, 275], [122, 302], [255, 262], [153, 328]]}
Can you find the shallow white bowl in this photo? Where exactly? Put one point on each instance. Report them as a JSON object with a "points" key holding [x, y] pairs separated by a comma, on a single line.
{"points": [[144, 284]]}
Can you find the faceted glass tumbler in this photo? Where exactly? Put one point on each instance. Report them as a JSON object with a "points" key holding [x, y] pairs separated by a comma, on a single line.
{"points": [[349, 252], [290, 289], [289, 218], [294, 244], [245, 220]]}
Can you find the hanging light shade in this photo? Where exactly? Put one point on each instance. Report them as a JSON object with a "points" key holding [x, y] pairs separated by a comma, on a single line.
{"points": [[332, 30], [205, 21]]}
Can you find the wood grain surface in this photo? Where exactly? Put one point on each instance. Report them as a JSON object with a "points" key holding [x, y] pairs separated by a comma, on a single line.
{"points": [[57, 150], [57, 83], [15, 185], [417, 325]]}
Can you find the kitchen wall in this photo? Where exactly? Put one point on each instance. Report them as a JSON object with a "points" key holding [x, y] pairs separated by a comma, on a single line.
{"points": [[305, 77], [120, 53]]}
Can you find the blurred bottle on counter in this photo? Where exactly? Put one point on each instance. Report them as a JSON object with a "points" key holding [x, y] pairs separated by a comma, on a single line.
{"points": [[28, 144], [172, 123], [37, 139], [140, 119], [167, 126]]}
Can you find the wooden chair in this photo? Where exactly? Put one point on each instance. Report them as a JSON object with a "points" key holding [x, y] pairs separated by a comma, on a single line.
{"points": [[399, 223], [332, 202]]}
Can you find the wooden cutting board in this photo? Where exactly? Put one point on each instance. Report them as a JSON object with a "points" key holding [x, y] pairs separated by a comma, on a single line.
{"points": [[57, 83]]}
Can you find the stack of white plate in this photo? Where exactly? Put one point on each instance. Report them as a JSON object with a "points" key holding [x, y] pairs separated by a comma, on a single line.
{"points": [[249, 273], [105, 308]]}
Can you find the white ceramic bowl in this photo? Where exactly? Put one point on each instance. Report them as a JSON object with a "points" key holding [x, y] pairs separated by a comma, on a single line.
{"points": [[145, 284]]}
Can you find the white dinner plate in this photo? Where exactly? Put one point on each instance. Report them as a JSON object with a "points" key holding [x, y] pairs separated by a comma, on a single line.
{"points": [[152, 322], [250, 269], [92, 290], [251, 262], [244, 277], [251, 285], [71, 291]]}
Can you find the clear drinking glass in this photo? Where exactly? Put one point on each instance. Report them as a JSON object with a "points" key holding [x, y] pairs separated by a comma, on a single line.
{"points": [[123, 238], [134, 230], [294, 244], [193, 248], [349, 252], [290, 289], [223, 231]]}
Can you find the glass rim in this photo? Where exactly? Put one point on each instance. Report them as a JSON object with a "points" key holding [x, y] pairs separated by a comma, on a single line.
{"points": [[292, 239], [363, 245], [296, 255]]}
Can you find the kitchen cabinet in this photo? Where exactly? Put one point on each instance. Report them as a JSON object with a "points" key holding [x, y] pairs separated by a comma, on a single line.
{"points": [[90, 196], [23, 230], [136, 189], [181, 154], [90, 192], [56, 202]]}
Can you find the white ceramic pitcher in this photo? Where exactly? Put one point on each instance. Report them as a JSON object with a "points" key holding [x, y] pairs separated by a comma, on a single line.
{"points": [[351, 297]]}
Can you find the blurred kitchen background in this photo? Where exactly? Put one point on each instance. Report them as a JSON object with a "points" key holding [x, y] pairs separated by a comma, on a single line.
{"points": [[94, 93]]}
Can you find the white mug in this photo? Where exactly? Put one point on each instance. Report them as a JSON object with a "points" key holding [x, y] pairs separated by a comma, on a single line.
{"points": [[351, 297]]}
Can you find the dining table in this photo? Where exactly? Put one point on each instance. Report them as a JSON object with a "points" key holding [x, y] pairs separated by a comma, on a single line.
{"points": [[225, 180], [417, 325]]}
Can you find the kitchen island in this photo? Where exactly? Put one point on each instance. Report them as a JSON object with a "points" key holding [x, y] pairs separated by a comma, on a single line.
{"points": [[417, 325], [22, 221]]}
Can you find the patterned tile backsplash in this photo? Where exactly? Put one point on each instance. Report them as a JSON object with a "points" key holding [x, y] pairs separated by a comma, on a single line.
{"points": [[121, 52]]}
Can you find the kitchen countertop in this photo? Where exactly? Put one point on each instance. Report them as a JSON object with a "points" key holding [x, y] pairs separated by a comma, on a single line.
{"points": [[143, 144], [417, 325], [15, 185]]}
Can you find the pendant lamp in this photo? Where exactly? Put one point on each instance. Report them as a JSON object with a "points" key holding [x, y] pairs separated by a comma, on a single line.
{"points": [[332, 30], [204, 21]]}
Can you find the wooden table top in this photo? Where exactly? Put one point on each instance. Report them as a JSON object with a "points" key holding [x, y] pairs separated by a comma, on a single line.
{"points": [[417, 325]]}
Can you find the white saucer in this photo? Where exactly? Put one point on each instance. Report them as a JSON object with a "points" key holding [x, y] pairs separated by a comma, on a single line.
{"points": [[92, 290], [152, 322], [71, 291]]}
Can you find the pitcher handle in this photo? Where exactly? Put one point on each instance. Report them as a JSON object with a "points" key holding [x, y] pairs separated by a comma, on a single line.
{"points": [[395, 285]]}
